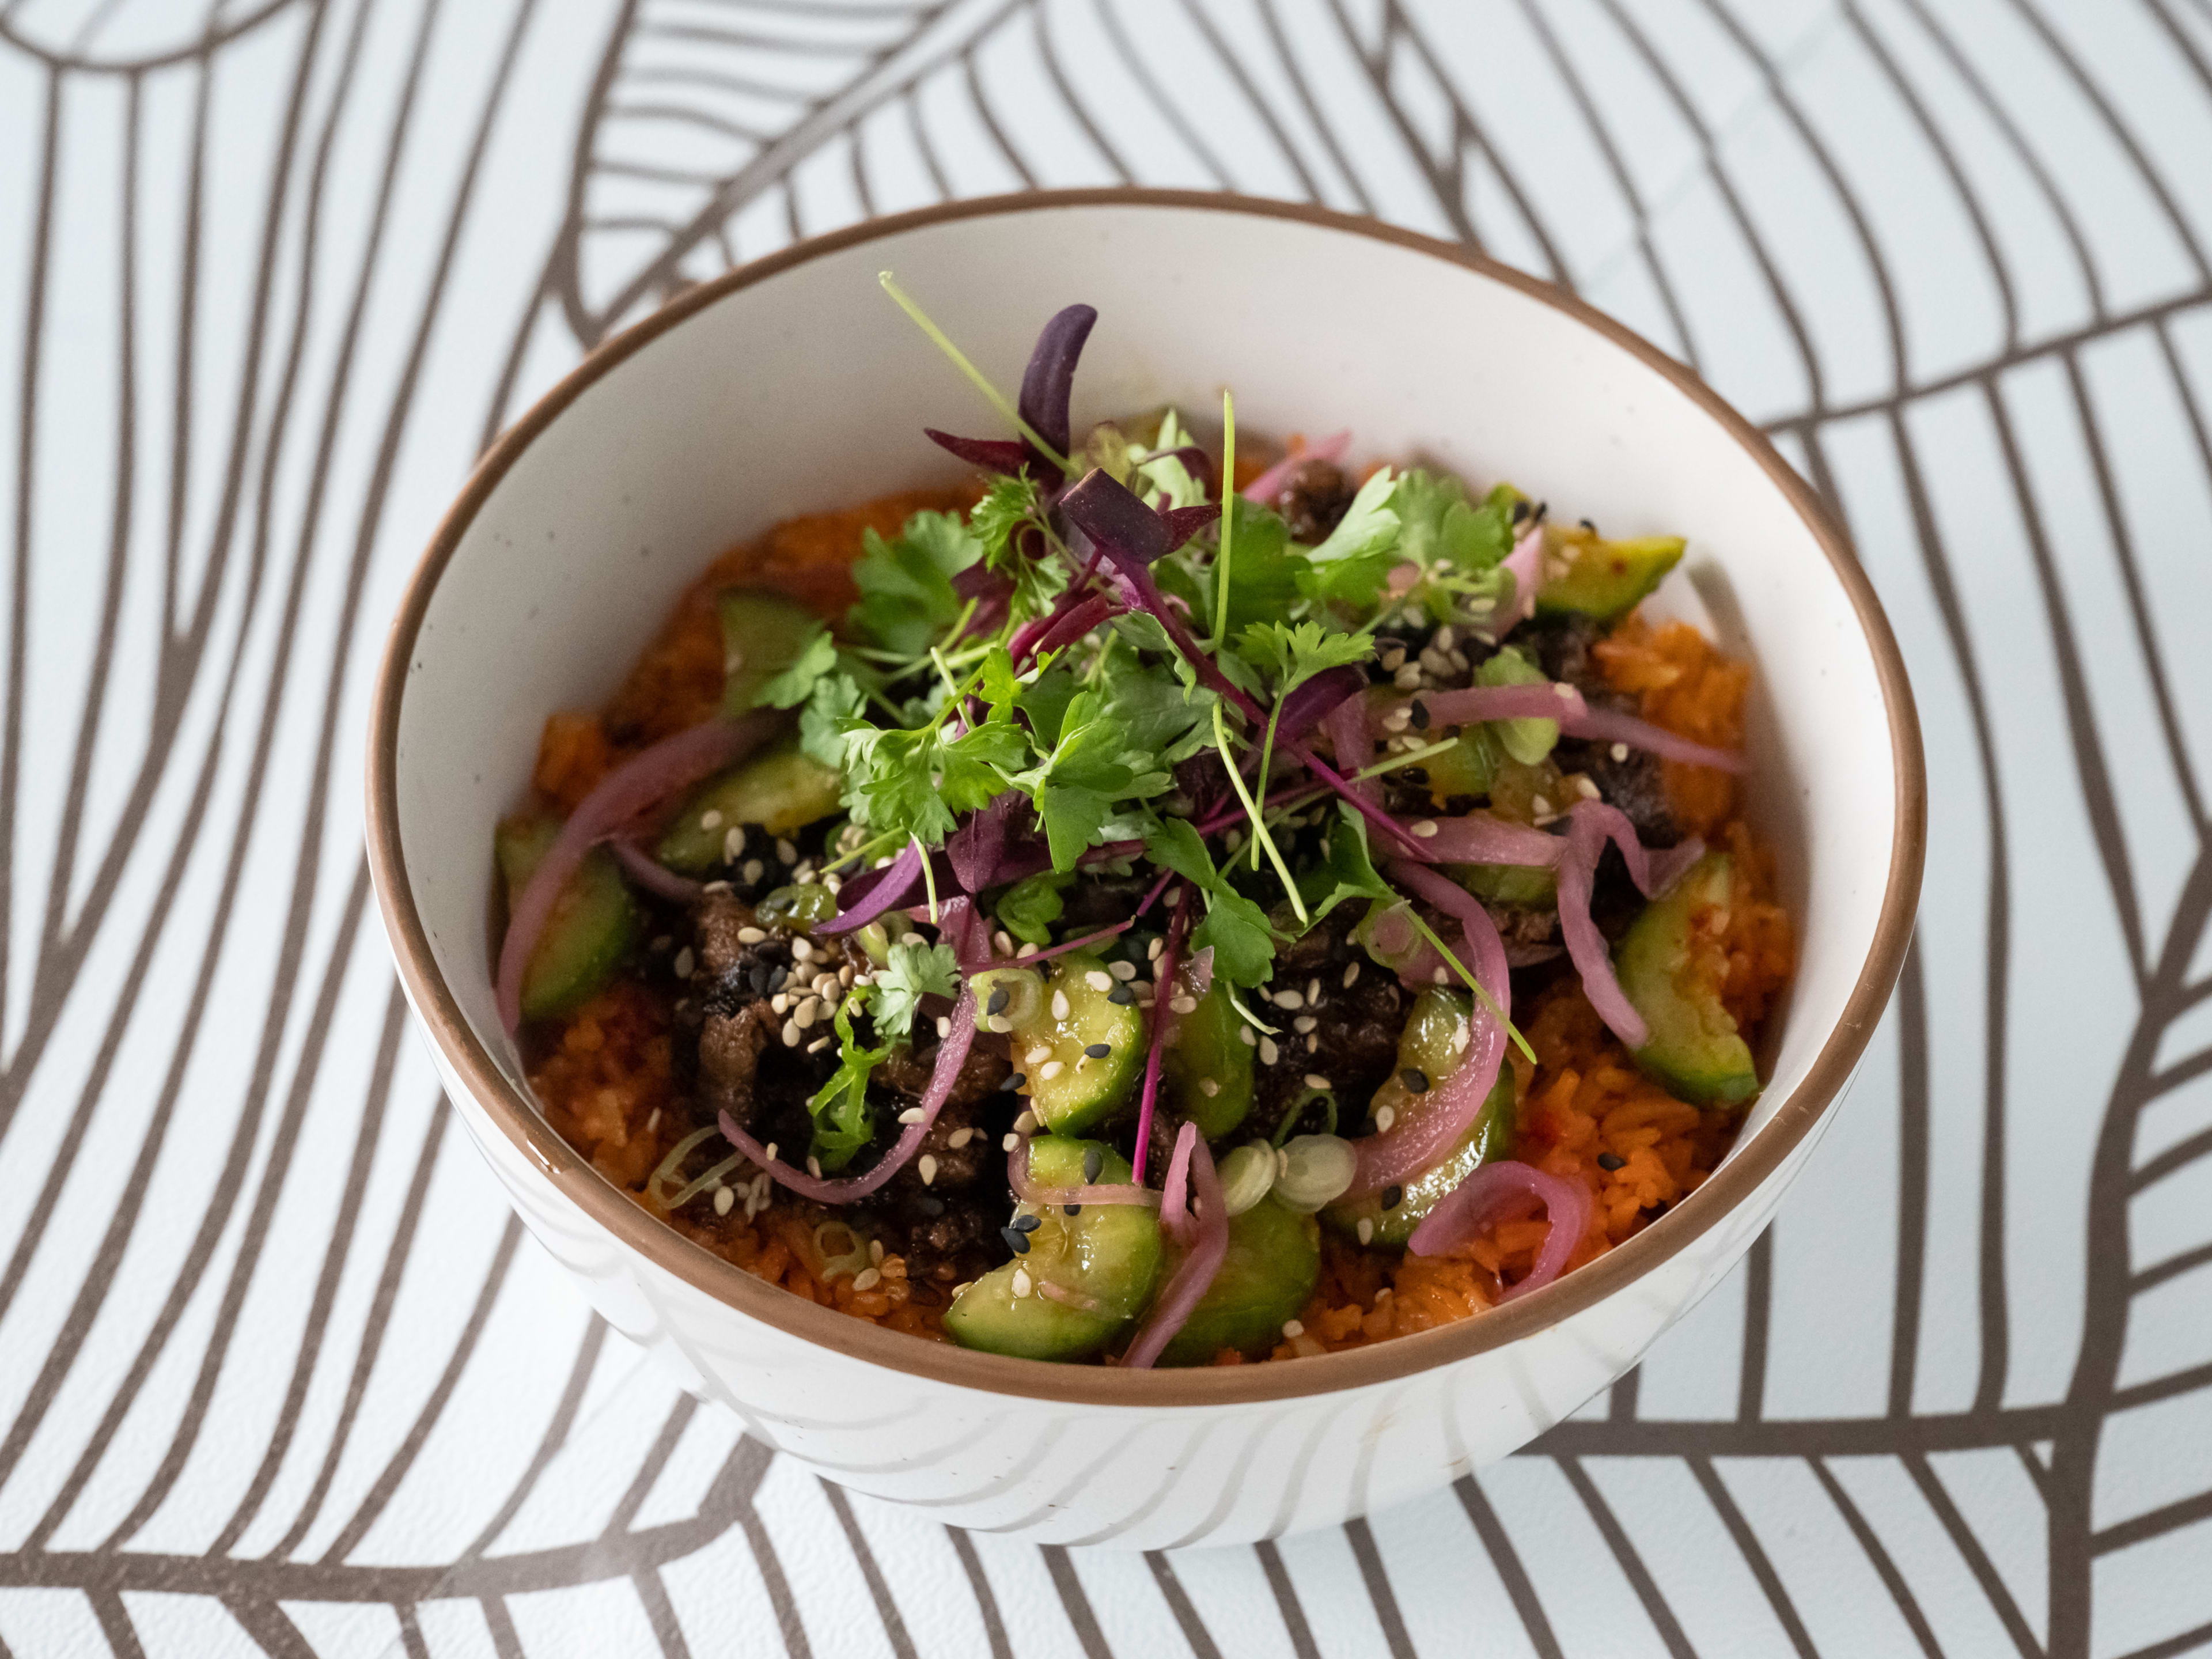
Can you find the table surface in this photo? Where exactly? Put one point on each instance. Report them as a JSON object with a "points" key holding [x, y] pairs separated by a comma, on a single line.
{"points": [[277, 1371]]}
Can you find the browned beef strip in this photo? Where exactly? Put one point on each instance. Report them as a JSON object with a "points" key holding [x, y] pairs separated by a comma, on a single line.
{"points": [[1313, 500]]}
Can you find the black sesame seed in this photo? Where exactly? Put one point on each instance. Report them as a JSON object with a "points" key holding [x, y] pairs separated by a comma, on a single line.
{"points": [[1099, 1050], [1392, 1197], [1420, 715], [776, 980], [758, 979], [1017, 1240], [1587, 526], [1520, 511], [1013, 1081], [1121, 996], [999, 999], [1415, 774], [1607, 1161], [1543, 511], [1366, 1127], [1093, 1162], [1074, 1209], [932, 1207], [1028, 1224], [1416, 1081]]}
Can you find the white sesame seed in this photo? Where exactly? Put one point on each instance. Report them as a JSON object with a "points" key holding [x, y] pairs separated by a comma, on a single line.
{"points": [[1351, 974], [1393, 658], [792, 1032], [1099, 980], [1567, 693], [927, 1166], [1537, 805], [779, 1003], [1002, 943], [818, 1045], [959, 1138], [1060, 1004], [769, 1151], [684, 963], [1152, 951], [943, 1027], [1289, 1000], [785, 852], [652, 1122], [725, 1199], [1124, 971], [807, 1012], [845, 976], [1425, 828], [1462, 1036], [876, 1252], [1385, 1116], [1184, 1004], [753, 871], [1208, 1087], [1292, 1330], [912, 1115], [1303, 1024], [1446, 637], [1408, 676], [801, 949], [814, 1167], [1620, 751], [867, 1279], [1269, 1054], [1315, 1081], [1050, 1070], [733, 844], [1026, 1124], [751, 936], [1008, 1142], [1367, 1231], [1247, 1035], [710, 819], [1313, 1044], [1037, 1056], [1441, 977], [1397, 719], [1023, 1284]]}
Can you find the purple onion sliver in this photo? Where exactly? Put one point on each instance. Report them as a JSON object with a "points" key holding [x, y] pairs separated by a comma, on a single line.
{"points": [[951, 1055], [1194, 1275], [1048, 954], [1586, 838], [1349, 735], [1484, 838], [1496, 1191], [1605, 726], [639, 783], [880, 891], [1525, 565], [648, 872], [1033, 1191]]}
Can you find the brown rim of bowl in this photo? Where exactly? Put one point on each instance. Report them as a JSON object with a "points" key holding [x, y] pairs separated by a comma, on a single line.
{"points": [[518, 1118]]}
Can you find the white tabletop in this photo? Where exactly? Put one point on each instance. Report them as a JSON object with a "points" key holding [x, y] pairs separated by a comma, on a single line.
{"points": [[278, 1372]]}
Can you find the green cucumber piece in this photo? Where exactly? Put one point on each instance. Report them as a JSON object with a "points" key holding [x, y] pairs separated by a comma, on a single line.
{"points": [[1509, 883], [1694, 1048], [1429, 1045], [782, 792], [1527, 740], [1205, 1048], [1469, 766], [1106, 1258], [593, 924], [1597, 577], [762, 634], [1070, 1090], [1267, 1277]]}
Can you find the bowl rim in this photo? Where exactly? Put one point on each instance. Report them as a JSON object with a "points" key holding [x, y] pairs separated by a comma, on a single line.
{"points": [[518, 1118]]}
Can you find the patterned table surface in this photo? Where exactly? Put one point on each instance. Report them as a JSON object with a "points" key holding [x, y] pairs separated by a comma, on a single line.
{"points": [[277, 1372]]}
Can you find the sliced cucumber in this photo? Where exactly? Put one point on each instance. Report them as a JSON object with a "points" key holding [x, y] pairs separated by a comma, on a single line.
{"points": [[1203, 1049], [1269, 1275], [1526, 740], [782, 792], [762, 634], [1101, 1264], [594, 921], [1509, 883], [1079, 1052], [1598, 578], [1674, 978], [1429, 1046]]}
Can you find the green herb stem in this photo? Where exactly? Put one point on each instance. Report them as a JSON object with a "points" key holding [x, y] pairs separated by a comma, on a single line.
{"points": [[1221, 562], [975, 376], [1488, 1001], [1259, 823]]}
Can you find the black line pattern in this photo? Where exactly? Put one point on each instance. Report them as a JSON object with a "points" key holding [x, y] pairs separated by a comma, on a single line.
{"points": [[275, 269]]}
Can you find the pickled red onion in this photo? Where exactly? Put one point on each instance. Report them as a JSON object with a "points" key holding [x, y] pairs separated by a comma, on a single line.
{"points": [[1495, 1192]]}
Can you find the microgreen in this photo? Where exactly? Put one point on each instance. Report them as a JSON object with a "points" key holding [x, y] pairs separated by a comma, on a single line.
{"points": [[975, 376]]}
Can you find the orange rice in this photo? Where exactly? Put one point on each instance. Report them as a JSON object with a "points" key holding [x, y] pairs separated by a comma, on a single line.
{"points": [[606, 1075]]}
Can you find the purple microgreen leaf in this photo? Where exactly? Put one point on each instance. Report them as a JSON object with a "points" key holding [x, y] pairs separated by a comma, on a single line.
{"points": [[991, 454], [1310, 701], [1184, 522], [1051, 374]]}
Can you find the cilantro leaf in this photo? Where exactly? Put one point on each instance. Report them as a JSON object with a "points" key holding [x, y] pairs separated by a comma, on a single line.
{"points": [[910, 972], [1237, 931], [906, 584], [1045, 701], [834, 703], [1161, 714], [1162, 479], [1177, 846], [817, 657], [1292, 656], [1369, 524], [992, 521], [1029, 906], [1092, 767], [1348, 871], [843, 1122]]}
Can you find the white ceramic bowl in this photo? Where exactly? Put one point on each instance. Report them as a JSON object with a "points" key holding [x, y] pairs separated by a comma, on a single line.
{"points": [[793, 385]]}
